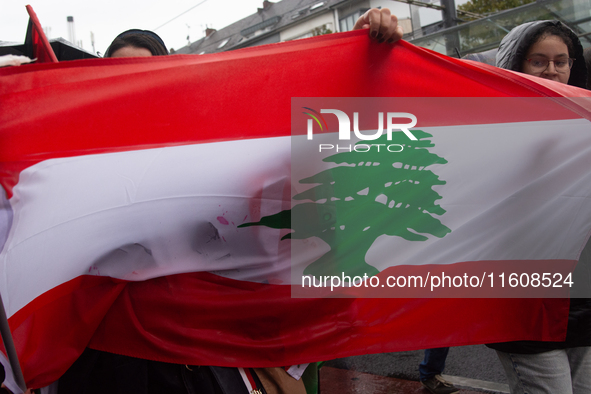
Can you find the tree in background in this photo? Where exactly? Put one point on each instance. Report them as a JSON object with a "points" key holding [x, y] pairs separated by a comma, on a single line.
{"points": [[484, 7]]}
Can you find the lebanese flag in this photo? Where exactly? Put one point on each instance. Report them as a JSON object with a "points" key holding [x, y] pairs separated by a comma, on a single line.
{"points": [[140, 196]]}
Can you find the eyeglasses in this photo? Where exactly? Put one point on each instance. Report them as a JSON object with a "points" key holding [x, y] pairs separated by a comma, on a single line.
{"points": [[540, 64]]}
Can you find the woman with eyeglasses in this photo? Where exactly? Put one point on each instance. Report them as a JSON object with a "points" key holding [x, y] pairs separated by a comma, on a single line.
{"points": [[546, 49], [550, 50]]}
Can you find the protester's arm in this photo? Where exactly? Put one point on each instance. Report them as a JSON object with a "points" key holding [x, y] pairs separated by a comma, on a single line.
{"points": [[382, 25]]}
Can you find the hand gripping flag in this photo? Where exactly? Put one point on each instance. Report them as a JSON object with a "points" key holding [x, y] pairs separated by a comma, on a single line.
{"points": [[153, 207]]}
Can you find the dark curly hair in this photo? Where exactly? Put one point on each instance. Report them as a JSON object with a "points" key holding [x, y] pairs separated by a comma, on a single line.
{"points": [[560, 31], [138, 39]]}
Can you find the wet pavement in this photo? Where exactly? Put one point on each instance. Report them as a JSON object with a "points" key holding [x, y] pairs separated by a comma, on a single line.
{"points": [[342, 381], [474, 362], [475, 368]]}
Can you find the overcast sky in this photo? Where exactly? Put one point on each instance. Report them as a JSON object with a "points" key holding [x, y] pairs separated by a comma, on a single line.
{"points": [[107, 18]]}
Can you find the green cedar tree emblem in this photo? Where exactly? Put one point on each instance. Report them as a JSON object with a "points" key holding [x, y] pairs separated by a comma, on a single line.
{"points": [[368, 194]]}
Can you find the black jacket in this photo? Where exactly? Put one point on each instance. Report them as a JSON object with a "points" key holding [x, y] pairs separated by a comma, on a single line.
{"points": [[510, 56], [514, 46]]}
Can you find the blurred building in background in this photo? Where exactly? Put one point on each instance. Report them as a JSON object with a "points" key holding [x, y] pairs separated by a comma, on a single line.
{"points": [[426, 23], [289, 20]]}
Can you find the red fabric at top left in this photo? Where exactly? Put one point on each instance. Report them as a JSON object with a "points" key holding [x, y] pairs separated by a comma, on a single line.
{"points": [[36, 42]]}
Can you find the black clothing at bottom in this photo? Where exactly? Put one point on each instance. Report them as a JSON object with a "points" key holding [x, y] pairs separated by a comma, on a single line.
{"points": [[100, 372]]}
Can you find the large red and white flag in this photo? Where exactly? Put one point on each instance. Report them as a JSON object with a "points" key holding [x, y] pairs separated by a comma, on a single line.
{"points": [[146, 201]]}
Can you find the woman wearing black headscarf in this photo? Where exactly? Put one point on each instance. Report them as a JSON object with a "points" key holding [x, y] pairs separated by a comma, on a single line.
{"points": [[136, 42]]}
